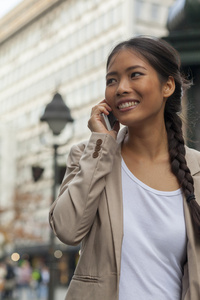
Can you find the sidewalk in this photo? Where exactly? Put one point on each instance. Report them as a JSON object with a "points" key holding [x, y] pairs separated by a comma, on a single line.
{"points": [[27, 294], [60, 293]]}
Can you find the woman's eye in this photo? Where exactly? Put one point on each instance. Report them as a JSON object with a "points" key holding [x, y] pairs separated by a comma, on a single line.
{"points": [[110, 81], [135, 74]]}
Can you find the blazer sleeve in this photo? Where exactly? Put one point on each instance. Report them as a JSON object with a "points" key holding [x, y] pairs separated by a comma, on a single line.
{"points": [[72, 214]]}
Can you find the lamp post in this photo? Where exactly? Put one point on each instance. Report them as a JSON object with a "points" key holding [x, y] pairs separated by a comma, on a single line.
{"points": [[57, 115]]}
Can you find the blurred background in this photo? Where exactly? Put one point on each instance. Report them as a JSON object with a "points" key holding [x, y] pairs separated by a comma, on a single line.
{"points": [[52, 71]]}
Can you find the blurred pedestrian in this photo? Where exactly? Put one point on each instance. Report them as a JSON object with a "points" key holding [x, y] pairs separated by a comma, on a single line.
{"points": [[44, 281], [35, 282], [2, 277], [9, 281], [24, 272], [131, 198]]}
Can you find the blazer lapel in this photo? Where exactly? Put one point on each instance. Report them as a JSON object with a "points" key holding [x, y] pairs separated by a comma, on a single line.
{"points": [[192, 161], [115, 203], [193, 246]]}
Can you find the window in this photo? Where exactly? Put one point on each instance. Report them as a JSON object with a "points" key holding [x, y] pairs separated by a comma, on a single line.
{"points": [[138, 8], [117, 15], [155, 11]]}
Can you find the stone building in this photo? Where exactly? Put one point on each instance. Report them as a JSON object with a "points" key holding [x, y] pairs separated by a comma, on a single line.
{"points": [[48, 46]]}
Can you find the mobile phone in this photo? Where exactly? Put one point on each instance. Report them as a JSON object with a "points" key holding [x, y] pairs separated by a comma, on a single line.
{"points": [[109, 120]]}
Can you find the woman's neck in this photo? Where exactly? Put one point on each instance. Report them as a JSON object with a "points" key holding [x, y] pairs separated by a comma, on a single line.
{"points": [[147, 142]]}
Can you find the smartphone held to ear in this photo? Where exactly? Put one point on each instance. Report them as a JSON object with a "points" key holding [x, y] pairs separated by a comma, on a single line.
{"points": [[109, 120]]}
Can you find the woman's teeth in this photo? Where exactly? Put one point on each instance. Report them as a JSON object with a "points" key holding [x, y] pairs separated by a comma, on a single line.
{"points": [[128, 104]]}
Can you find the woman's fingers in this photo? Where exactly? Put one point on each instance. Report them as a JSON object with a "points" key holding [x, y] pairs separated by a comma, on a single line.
{"points": [[100, 108], [95, 122]]}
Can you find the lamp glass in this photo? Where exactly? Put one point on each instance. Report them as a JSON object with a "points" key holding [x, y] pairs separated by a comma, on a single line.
{"points": [[57, 126]]}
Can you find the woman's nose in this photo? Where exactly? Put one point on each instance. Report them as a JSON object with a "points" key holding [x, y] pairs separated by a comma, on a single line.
{"points": [[123, 87]]}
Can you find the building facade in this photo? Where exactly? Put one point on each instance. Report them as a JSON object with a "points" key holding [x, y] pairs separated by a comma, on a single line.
{"points": [[48, 46]]}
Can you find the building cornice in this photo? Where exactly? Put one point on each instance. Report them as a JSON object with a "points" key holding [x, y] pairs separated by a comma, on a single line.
{"points": [[23, 14]]}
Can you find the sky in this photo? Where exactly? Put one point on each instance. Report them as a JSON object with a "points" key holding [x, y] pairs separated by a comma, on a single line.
{"points": [[7, 5]]}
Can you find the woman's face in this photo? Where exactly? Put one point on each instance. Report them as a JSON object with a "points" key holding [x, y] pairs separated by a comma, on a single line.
{"points": [[133, 90]]}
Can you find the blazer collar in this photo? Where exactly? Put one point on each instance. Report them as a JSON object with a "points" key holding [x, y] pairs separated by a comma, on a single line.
{"points": [[192, 160], [121, 135]]}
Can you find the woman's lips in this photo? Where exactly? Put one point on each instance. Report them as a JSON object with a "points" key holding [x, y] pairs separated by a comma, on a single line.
{"points": [[127, 104]]}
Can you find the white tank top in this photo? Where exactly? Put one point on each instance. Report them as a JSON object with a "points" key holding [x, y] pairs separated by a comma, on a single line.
{"points": [[154, 242]]}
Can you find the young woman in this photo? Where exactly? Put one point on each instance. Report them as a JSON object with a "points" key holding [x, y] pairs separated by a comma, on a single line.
{"points": [[129, 196]]}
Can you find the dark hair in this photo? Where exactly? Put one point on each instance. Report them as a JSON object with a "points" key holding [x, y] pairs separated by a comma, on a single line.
{"points": [[166, 61]]}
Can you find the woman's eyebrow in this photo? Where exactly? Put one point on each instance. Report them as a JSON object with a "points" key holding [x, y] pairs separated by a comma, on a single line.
{"points": [[111, 74], [135, 67], [128, 69]]}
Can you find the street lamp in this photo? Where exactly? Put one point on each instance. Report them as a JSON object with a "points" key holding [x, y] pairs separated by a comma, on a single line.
{"points": [[57, 115]]}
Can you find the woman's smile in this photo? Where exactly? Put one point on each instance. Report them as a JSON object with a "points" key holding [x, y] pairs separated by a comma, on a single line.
{"points": [[125, 105]]}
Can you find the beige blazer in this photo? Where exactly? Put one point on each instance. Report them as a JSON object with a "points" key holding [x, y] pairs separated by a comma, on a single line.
{"points": [[89, 210]]}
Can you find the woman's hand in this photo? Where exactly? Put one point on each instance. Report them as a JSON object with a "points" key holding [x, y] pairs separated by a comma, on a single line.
{"points": [[96, 122]]}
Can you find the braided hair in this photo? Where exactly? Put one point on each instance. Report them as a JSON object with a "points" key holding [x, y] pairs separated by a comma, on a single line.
{"points": [[165, 60]]}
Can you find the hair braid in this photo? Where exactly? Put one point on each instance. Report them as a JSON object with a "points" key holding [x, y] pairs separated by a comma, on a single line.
{"points": [[179, 165], [177, 154]]}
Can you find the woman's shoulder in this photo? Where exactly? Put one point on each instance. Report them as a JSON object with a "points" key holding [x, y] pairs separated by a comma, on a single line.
{"points": [[193, 152], [193, 159]]}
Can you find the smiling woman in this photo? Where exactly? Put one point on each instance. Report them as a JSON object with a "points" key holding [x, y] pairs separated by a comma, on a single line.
{"points": [[128, 196]]}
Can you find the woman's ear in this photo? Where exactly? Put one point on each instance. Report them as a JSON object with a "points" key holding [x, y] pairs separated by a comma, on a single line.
{"points": [[169, 87]]}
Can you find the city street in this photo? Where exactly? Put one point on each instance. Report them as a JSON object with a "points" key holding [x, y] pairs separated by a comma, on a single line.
{"points": [[60, 294]]}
